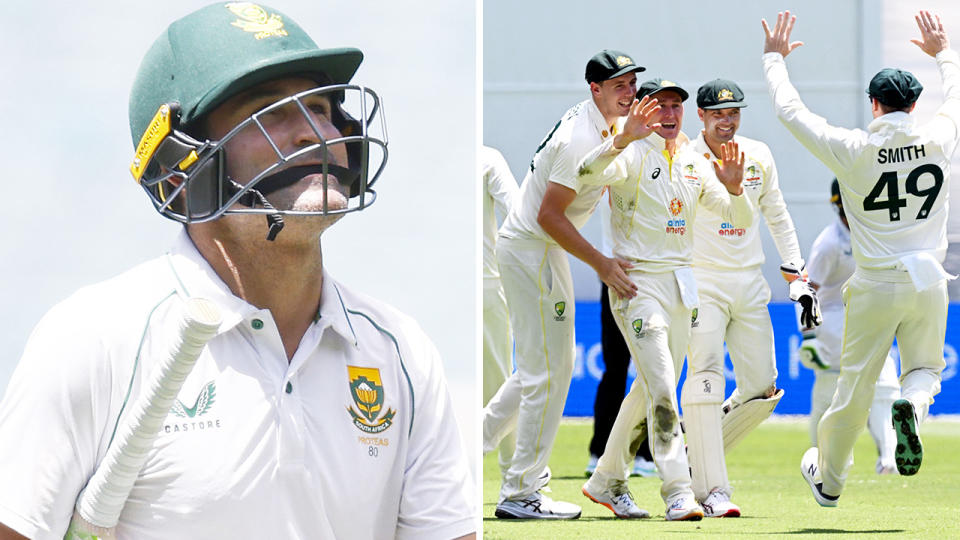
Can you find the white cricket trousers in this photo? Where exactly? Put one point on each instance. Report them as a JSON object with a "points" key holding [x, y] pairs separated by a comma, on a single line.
{"points": [[733, 310], [830, 334], [497, 354], [881, 305], [656, 326], [539, 290]]}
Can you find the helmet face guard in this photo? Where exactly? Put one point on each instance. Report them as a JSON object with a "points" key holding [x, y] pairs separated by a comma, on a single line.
{"points": [[340, 157]]}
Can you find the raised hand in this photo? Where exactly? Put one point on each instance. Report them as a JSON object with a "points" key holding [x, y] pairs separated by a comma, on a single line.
{"points": [[779, 39], [730, 167], [934, 37], [638, 124]]}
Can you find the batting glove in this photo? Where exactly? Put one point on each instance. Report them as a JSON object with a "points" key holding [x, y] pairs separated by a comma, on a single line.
{"points": [[802, 293], [809, 353]]}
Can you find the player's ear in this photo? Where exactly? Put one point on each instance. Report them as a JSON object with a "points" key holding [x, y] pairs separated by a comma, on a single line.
{"points": [[595, 88], [700, 113]]}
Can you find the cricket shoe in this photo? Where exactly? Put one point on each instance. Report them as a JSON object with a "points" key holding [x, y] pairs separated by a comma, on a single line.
{"points": [[684, 509], [810, 469], [617, 497], [885, 467], [591, 465], [644, 468], [909, 451], [718, 505], [536, 506]]}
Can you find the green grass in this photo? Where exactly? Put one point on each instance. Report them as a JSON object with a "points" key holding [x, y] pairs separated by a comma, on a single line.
{"points": [[764, 472]]}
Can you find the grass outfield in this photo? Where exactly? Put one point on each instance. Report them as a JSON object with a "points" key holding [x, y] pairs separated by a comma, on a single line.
{"points": [[764, 472]]}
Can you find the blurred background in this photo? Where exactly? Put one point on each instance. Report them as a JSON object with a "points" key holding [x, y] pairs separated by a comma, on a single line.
{"points": [[534, 54], [74, 215]]}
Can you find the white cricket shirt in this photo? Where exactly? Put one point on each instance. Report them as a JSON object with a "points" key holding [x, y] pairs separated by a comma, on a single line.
{"points": [[580, 130], [718, 244], [500, 190], [654, 200], [355, 437], [894, 177]]}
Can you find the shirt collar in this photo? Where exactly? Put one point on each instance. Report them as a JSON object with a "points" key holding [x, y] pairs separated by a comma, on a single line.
{"points": [[195, 277], [897, 120], [600, 123], [334, 307]]}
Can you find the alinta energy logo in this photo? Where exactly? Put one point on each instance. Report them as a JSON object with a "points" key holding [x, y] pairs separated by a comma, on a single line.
{"points": [[727, 229], [559, 308], [192, 416], [366, 389], [676, 225]]}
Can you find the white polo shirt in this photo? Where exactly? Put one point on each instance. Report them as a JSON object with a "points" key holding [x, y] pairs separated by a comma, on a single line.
{"points": [[580, 130], [254, 447]]}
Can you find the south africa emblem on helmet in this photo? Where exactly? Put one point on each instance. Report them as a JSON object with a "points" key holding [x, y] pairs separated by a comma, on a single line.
{"points": [[559, 308], [366, 389], [254, 19]]}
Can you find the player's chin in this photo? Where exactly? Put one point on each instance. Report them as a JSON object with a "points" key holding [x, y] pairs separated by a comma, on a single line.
{"points": [[309, 195]]}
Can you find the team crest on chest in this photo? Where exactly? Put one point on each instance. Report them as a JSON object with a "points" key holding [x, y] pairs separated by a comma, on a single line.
{"points": [[559, 308], [751, 176], [367, 392]]}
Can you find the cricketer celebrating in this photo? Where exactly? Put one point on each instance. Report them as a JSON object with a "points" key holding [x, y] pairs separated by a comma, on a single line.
{"points": [[830, 265], [725, 255], [312, 400], [540, 229], [655, 189], [894, 180]]}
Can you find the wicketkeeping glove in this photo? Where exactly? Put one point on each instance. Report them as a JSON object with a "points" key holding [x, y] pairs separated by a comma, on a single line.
{"points": [[802, 293], [809, 353]]}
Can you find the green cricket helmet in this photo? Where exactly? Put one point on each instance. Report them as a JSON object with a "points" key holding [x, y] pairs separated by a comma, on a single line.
{"points": [[218, 52]]}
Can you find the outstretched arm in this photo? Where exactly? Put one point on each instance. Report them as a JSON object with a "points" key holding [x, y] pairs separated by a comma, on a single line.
{"points": [[933, 38], [778, 40], [835, 147]]}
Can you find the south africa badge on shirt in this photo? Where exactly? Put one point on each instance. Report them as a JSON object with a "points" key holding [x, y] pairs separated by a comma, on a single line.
{"points": [[366, 389]]}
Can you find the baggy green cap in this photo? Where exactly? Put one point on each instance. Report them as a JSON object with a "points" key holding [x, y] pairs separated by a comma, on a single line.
{"points": [[610, 64], [895, 88], [648, 88], [214, 53], [720, 94]]}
